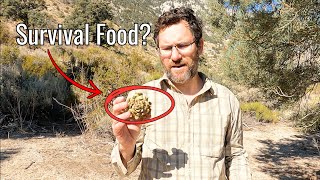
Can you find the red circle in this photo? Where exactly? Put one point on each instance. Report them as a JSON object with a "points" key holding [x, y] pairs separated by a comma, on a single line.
{"points": [[128, 88]]}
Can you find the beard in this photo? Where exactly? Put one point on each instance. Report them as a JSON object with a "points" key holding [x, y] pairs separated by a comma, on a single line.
{"points": [[182, 77]]}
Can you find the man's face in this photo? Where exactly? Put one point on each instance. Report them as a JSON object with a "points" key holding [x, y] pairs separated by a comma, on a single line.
{"points": [[178, 52]]}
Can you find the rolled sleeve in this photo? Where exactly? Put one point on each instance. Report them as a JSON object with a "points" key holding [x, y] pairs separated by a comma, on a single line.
{"points": [[118, 164], [236, 157], [134, 162]]}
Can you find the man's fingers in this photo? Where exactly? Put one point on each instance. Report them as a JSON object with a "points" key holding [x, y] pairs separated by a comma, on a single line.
{"points": [[124, 116], [119, 104], [134, 125], [118, 100], [118, 108]]}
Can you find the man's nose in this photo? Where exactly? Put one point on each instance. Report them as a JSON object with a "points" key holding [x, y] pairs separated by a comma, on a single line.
{"points": [[175, 55]]}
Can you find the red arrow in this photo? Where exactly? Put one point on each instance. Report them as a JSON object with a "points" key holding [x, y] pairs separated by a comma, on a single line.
{"points": [[95, 91]]}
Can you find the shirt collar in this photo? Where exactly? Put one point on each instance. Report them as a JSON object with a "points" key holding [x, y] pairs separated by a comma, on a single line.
{"points": [[208, 84]]}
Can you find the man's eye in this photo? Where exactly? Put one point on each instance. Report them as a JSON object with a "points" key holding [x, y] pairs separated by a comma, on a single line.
{"points": [[167, 48], [182, 46]]}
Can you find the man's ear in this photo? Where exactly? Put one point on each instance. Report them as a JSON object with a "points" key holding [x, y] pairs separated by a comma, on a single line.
{"points": [[200, 48]]}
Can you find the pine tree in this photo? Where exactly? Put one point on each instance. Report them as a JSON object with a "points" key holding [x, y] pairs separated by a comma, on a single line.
{"points": [[90, 12], [271, 44], [22, 10]]}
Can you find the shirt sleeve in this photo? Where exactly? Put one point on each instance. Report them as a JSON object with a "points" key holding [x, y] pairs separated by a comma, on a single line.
{"points": [[237, 166], [133, 163]]}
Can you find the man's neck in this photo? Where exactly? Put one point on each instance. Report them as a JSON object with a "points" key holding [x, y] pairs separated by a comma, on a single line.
{"points": [[191, 87]]}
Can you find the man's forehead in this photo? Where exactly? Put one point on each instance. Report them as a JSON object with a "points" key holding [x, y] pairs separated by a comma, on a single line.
{"points": [[184, 22], [178, 32]]}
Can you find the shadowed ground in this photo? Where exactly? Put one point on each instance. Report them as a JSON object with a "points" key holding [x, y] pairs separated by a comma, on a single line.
{"points": [[278, 151], [282, 159]]}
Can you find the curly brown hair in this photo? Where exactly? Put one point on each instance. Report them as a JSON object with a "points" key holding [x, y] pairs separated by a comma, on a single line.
{"points": [[176, 15]]}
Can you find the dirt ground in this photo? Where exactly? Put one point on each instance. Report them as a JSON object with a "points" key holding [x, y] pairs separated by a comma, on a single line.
{"points": [[276, 151]]}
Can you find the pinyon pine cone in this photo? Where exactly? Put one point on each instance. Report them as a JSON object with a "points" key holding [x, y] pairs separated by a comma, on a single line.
{"points": [[139, 106]]}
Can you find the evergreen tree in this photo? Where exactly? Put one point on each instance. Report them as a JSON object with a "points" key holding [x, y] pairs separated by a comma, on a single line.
{"points": [[271, 44], [22, 10], [91, 12]]}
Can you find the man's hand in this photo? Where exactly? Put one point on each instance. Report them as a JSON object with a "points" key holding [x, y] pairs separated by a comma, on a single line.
{"points": [[126, 134]]}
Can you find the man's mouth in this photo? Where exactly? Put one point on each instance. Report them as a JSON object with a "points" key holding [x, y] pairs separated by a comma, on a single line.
{"points": [[178, 66]]}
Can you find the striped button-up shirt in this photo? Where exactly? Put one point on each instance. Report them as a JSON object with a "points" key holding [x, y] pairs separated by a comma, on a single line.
{"points": [[202, 139]]}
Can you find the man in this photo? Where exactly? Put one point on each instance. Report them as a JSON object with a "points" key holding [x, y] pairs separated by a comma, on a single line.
{"points": [[202, 137]]}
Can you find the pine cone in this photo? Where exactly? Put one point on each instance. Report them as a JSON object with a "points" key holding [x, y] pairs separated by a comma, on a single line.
{"points": [[139, 107]]}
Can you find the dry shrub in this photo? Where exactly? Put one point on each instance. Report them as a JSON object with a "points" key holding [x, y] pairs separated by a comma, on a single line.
{"points": [[37, 65], [8, 54], [4, 36], [109, 70], [27, 87], [309, 119], [90, 117], [262, 112], [307, 114]]}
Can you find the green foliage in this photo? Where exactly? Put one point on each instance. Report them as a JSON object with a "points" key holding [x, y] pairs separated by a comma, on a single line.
{"points": [[22, 10], [120, 70], [37, 65], [110, 69], [27, 85], [262, 112], [27, 99], [136, 61], [309, 119], [154, 75], [40, 19], [212, 71], [4, 36], [104, 66], [276, 49], [9, 54], [90, 12], [221, 21]]}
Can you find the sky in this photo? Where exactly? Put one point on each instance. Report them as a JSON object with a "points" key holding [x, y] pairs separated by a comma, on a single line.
{"points": [[263, 6]]}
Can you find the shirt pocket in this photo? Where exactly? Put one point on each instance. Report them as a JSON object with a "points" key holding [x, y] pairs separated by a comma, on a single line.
{"points": [[211, 138]]}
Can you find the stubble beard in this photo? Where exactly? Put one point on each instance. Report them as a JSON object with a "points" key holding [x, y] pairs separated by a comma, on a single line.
{"points": [[189, 74]]}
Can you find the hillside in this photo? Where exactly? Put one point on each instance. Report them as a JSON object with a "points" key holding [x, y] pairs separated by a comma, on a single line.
{"points": [[130, 65], [127, 13], [142, 11], [50, 130]]}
